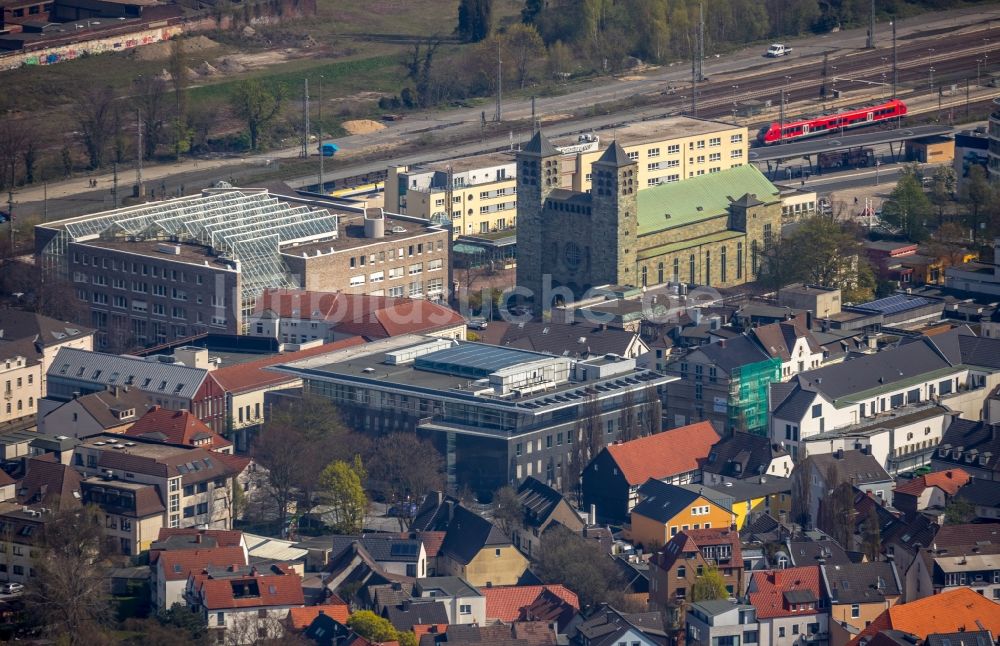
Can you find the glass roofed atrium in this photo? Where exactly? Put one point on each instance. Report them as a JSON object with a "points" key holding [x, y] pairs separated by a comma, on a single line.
{"points": [[245, 229]]}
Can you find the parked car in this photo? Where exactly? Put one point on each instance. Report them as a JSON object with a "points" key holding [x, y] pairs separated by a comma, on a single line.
{"points": [[402, 510], [12, 588], [778, 49], [477, 323]]}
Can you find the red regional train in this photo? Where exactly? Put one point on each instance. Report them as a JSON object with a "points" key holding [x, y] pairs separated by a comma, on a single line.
{"points": [[795, 130]]}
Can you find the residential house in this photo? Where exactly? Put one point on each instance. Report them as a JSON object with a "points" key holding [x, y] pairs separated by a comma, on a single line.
{"points": [[351, 572], [243, 603], [8, 487], [960, 556], [956, 369], [553, 610], [542, 506], [586, 338], [814, 551], [105, 411], [725, 383], [956, 610], [28, 344], [463, 603], [718, 622], [22, 535], [984, 496], [416, 612], [189, 550], [194, 484], [858, 593], [960, 638], [790, 606], [48, 483], [612, 479], [606, 626], [394, 555], [972, 446], [134, 512], [335, 608], [930, 490], [900, 440], [172, 568], [753, 497], [744, 456], [325, 630], [821, 302], [902, 539], [169, 382], [634, 571], [792, 342], [509, 603], [298, 317], [667, 510], [476, 550], [178, 427], [858, 468], [677, 567]]}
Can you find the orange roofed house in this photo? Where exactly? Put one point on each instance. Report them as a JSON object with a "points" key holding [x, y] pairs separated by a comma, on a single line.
{"points": [[244, 603], [791, 608], [958, 610], [612, 479], [930, 490], [178, 427]]}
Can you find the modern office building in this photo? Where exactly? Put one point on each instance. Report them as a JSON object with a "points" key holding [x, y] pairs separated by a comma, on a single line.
{"points": [[163, 271], [497, 414]]}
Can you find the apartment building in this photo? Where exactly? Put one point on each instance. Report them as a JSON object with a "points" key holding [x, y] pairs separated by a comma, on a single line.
{"points": [[28, 345], [193, 484], [498, 414], [676, 568], [791, 606], [164, 271]]}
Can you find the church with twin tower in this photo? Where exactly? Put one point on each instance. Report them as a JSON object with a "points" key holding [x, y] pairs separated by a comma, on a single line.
{"points": [[708, 230]]}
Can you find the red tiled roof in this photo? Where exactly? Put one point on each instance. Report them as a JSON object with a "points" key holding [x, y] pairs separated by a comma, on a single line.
{"points": [[275, 590], [237, 463], [178, 564], [5, 479], [176, 427], [432, 542], [771, 586], [691, 540], [429, 629], [300, 618], [956, 610], [665, 454], [252, 375], [505, 603], [949, 481], [47, 482], [373, 317]]}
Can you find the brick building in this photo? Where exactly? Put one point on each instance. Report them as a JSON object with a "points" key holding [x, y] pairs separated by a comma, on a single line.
{"points": [[164, 271]]}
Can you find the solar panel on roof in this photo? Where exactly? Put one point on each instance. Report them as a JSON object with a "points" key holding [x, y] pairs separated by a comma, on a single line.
{"points": [[470, 360]]}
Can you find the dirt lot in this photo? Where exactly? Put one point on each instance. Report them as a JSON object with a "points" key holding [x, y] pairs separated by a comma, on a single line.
{"points": [[362, 126]]}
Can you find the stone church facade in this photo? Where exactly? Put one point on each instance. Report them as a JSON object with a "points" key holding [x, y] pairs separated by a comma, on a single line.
{"points": [[707, 230]]}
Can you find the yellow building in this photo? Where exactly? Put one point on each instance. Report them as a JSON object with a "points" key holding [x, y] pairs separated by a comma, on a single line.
{"points": [[755, 496], [476, 550], [860, 592], [665, 510], [484, 192]]}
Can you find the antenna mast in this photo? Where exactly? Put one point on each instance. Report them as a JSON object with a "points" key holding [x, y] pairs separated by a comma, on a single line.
{"points": [[305, 119]]}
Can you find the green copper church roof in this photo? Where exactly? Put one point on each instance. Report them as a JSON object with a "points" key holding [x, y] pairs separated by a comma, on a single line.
{"points": [[700, 198]]}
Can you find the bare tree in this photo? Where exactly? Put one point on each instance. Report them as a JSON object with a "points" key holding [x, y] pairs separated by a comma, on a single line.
{"points": [[627, 421], [588, 442], [652, 412], [402, 466], [178, 68], [13, 140], [95, 117], [419, 65], [151, 102], [507, 512], [68, 596]]}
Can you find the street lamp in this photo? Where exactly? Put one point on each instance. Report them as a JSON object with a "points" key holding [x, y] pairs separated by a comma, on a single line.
{"points": [[979, 63], [930, 73]]}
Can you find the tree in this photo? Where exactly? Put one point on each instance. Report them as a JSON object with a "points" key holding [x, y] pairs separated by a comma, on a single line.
{"points": [[908, 207], [151, 103], [651, 412], [475, 19], [13, 140], [180, 617], [578, 563], [256, 105], [627, 418], [419, 65], [943, 189], [710, 586], [95, 117], [821, 251], [977, 194], [68, 596], [560, 60], [524, 50], [871, 535], [372, 627], [837, 511], [507, 511], [341, 489], [278, 451], [531, 10], [959, 512], [802, 494], [178, 67], [403, 467]]}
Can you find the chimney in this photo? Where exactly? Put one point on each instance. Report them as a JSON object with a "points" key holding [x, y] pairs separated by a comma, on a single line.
{"points": [[197, 538], [114, 392], [839, 454], [592, 516]]}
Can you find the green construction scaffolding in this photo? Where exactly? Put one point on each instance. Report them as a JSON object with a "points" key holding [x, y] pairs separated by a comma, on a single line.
{"points": [[748, 395]]}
